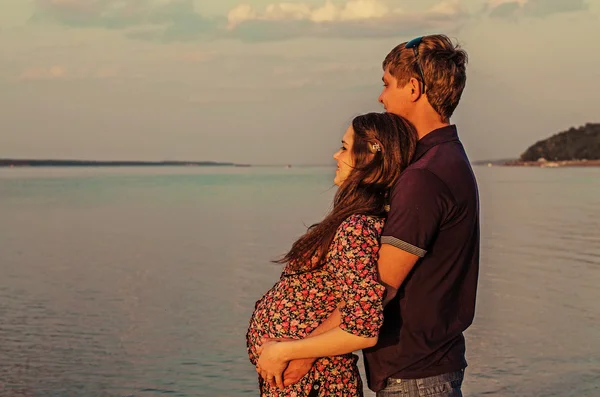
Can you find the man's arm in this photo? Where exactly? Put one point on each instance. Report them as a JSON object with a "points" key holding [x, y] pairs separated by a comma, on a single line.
{"points": [[418, 202], [393, 265]]}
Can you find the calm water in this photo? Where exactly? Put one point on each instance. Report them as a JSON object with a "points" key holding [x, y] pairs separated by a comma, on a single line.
{"points": [[140, 282]]}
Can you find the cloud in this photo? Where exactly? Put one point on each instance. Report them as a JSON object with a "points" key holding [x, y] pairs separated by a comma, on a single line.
{"points": [[36, 73], [112, 14], [533, 8], [353, 19], [166, 20], [352, 10], [59, 72], [177, 20]]}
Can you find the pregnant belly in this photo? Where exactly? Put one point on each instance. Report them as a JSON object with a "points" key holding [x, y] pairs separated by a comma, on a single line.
{"points": [[282, 313]]}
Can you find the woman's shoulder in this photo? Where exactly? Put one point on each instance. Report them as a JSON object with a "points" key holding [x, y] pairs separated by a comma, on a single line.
{"points": [[362, 224]]}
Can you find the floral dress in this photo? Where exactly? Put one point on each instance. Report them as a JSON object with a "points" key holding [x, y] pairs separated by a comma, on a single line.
{"points": [[300, 301]]}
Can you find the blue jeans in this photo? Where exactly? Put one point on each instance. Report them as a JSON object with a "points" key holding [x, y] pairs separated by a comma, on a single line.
{"points": [[445, 385]]}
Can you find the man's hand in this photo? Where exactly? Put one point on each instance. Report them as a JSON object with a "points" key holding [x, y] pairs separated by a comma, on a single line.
{"points": [[296, 370]]}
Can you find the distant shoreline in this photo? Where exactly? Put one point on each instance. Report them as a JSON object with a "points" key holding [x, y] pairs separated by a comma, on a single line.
{"points": [[553, 164], [14, 163], [10, 163], [542, 163]]}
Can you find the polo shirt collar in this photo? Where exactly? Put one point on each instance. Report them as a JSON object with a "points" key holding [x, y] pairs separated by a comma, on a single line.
{"points": [[434, 138]]}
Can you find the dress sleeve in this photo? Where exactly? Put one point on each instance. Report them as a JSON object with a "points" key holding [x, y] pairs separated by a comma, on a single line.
{"points": [[357, 246]]}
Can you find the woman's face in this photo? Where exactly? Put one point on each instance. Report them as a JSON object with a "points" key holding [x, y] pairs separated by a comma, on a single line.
{"points": [[345, 162]]}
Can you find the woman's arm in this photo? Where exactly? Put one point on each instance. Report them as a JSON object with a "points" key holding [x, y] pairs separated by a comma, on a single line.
{"points": [[353, 255], [334, 342], [275, 356]]}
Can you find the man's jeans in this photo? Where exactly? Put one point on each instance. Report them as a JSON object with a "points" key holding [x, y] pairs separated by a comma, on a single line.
{"points": [[445, 385]]}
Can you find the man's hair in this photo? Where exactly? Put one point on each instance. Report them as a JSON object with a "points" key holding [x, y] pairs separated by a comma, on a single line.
{"points": [[444, 69]]}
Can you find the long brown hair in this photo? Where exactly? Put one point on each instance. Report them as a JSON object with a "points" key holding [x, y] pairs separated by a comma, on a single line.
{"points": [[364, 192]]}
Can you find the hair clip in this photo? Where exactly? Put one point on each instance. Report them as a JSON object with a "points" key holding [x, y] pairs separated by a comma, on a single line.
{"points": [[375, 148]]}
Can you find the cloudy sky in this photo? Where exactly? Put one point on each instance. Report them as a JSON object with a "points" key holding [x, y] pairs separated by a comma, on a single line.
{"points": [[265, 82]]}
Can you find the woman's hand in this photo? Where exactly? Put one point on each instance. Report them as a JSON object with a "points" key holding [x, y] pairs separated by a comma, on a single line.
{"points": [[271, 363], [295, 369]]}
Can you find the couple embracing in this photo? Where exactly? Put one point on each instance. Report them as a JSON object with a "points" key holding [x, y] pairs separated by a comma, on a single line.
{"points": [[392, 269]]}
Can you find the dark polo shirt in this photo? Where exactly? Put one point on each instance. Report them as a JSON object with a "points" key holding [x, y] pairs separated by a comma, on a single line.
{"points": [[434, 215]]}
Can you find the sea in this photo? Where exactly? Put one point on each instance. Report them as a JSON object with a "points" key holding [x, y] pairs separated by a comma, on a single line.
{"points": [[140, 281]]}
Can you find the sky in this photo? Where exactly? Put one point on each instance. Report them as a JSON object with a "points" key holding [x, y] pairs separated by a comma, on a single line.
{"points": [[264, 82]]}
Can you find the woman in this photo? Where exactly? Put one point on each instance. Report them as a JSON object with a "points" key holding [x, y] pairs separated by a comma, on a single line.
{"points": [[333, 266]]}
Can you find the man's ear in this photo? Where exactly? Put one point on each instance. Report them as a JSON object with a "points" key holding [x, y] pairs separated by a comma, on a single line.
{"points": [[415, 89]]}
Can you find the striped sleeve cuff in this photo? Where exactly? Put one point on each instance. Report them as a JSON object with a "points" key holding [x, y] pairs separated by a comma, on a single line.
{"points": [[403, 245]]}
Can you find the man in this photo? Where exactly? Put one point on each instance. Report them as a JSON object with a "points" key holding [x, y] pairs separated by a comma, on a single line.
{"points": [[429, 258]]}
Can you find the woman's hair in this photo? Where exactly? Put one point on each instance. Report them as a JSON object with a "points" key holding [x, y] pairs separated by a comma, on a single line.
{"points": [[365, 190]]}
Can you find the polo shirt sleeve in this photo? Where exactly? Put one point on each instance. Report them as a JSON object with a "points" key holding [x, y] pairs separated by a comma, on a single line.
{"points": [[417, 206]]}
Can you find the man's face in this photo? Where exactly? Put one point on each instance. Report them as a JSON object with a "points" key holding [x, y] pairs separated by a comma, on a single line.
{"points": [[393, 98]]}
